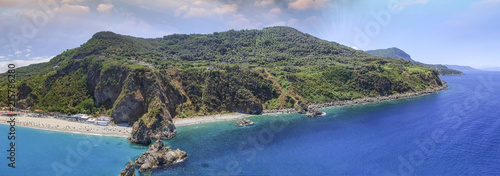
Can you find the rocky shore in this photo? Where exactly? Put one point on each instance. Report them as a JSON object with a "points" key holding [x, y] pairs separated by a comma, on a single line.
{"points": [[359, 101]]}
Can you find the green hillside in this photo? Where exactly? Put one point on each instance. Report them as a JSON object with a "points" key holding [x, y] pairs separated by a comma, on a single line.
{"points": [[147, 82]]}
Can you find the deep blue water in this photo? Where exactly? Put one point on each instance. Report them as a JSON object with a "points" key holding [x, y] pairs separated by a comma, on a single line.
{"points": [[454, 132]]}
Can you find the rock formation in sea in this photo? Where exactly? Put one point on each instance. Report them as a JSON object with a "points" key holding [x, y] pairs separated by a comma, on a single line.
{"points": [[158, 155], [313, 112], [128, 171], [244, 122]]}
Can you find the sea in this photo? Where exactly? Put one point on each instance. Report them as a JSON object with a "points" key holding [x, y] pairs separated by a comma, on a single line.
{"points": [[453, 132]]}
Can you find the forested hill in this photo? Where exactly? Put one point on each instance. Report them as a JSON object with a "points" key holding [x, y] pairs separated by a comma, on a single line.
{"points": [[147, 82], [393, 52], [271, 46], [397, 53]]}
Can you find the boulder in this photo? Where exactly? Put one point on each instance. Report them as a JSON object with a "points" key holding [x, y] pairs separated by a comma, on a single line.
{"points": [[158, 155], [244, 122]]}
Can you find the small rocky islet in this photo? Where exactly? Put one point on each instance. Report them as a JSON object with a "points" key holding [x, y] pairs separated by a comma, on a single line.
{"points": [[313, 112], [244, 122], [158, 155]]}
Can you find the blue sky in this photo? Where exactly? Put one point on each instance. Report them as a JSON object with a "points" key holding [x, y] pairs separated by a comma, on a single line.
{"points": [[465, 32]]}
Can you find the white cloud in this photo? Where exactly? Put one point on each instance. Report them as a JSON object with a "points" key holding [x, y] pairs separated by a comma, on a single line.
{"points": [[275, 11], [22, 63], [18, 52], [2, 57], [74, 9], [104, 8], [198, 12], [239, 21], [309, 4], [264, 3], [181, 10], [27, 55], [404, 4]]}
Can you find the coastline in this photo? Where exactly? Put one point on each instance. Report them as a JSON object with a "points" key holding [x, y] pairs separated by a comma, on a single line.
{"points": [[208, 119], [59, 125], [65, 126], [361, 101]]}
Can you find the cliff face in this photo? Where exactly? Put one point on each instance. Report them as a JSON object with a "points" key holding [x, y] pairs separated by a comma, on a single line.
{"points": [[144, 101]]}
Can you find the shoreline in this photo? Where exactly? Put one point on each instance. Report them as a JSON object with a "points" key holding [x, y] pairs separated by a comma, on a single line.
{"points": [[208, 119], [64, 126], [59, 125], [361, 101]]}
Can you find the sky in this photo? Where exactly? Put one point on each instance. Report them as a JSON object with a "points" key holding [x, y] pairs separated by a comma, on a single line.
{"points": [[465, 32]]}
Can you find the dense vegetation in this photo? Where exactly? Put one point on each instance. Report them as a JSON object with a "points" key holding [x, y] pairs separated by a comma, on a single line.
{"points": [[397, 53], [393, 52], [243, 71]]}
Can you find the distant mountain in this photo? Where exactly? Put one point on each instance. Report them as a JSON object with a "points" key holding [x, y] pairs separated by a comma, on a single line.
{"points": [[465, 69], [397, 53], [491, 69], [393, 52]]}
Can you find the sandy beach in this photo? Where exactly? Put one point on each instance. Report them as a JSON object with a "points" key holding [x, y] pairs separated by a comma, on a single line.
{"points": [[68, 126], [55, 124], [207, 119]]}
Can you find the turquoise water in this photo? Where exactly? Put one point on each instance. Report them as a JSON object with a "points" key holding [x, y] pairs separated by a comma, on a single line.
{"points": [[454, 132]]}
